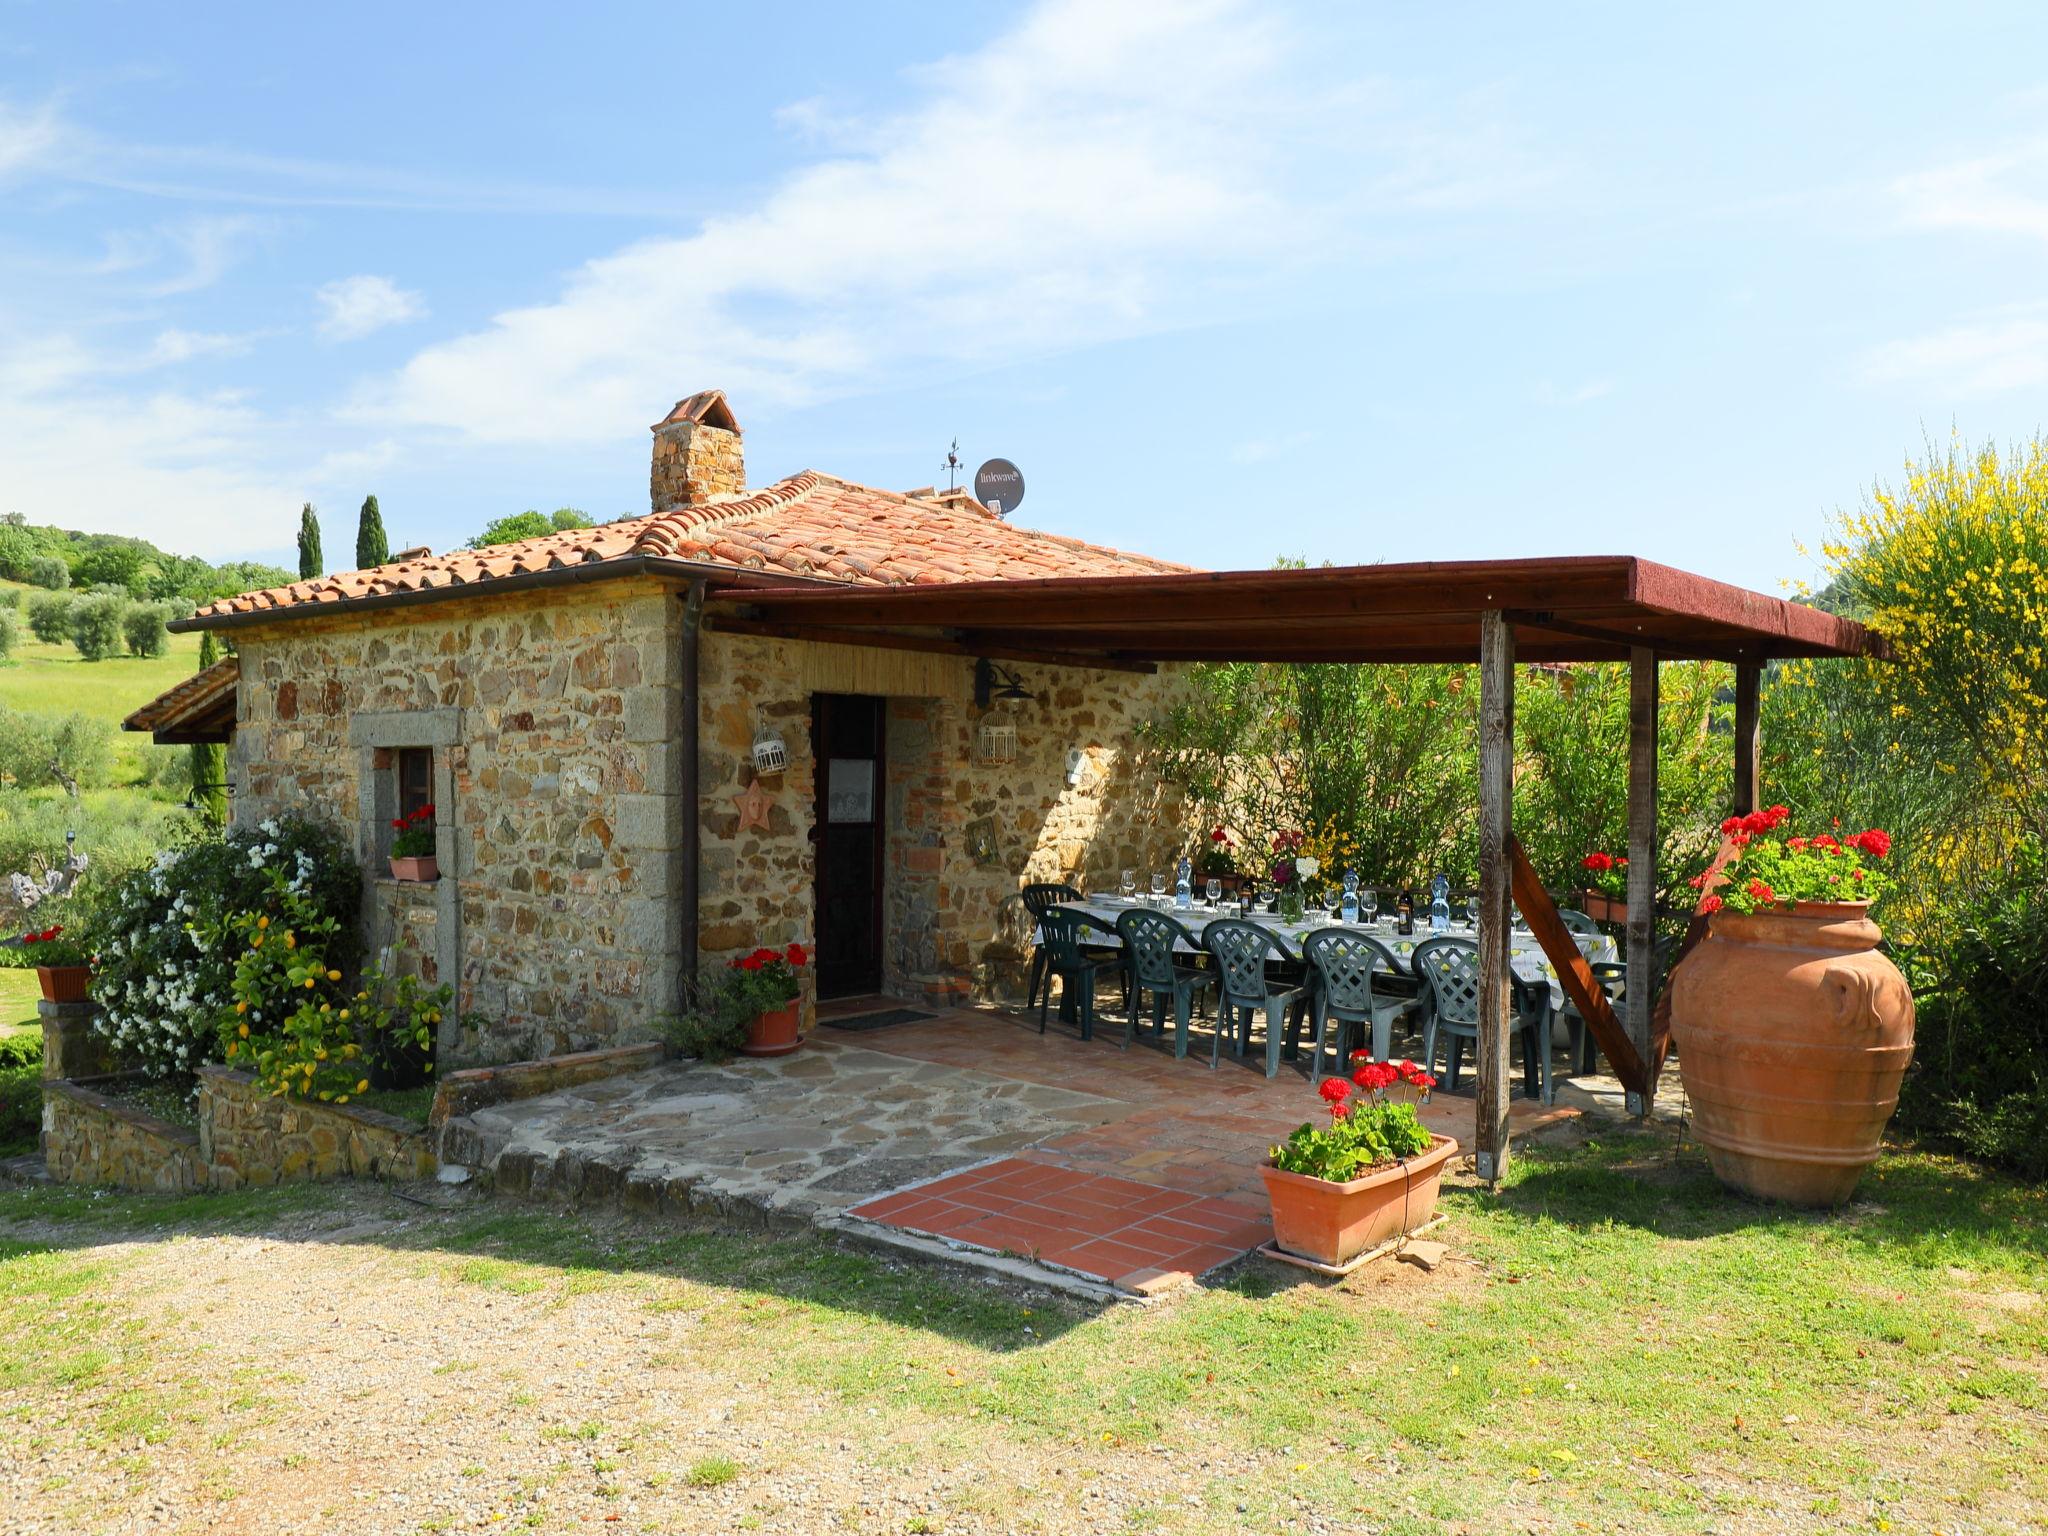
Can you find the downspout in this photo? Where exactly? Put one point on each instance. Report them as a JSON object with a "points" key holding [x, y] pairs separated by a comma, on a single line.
{"points": [[686, 788]]}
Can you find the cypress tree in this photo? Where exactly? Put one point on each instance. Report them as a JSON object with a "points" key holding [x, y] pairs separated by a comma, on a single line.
{"points": [[372, 548], [311, 566], [210, 758]]}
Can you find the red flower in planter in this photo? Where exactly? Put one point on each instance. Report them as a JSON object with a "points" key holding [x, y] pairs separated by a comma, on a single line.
{"points": [[1334, 1090], [1711, 904], [1875, 842], [1372, 1076], [1759, 891], [795, 954], [1599, 863]]}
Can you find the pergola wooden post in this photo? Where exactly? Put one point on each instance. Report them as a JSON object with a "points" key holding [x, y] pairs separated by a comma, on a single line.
{"points": [[1749, 676], [1496, 838], [1641, 954]]}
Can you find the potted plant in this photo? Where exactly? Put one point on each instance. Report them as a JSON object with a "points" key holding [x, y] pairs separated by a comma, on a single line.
{"points": [[1370, 1174], [1605, 898], [63, 965], [412, 846], [1292, 870], [747, 1006], [1218, 861], [1793, 1031]]}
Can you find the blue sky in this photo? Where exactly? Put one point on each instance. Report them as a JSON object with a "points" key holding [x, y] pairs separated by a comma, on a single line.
{"points": [[1227, 281]]}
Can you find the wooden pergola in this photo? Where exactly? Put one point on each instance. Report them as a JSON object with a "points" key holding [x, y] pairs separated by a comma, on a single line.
{"points": [[1493, 612]]}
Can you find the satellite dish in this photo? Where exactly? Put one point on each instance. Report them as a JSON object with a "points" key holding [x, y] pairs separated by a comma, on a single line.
{"points": [[999, 486]]}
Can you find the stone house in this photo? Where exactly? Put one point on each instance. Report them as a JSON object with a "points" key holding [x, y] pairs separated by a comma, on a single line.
{"points": [[630, 777]]}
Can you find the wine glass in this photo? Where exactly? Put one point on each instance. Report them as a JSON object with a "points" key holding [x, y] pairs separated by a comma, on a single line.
{"points": [[1128, 883], [1472, 910], [1369, 903], [1158, 887], [1213, 888]]}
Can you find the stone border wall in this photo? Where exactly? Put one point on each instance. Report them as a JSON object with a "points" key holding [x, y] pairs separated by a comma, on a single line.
{"points": [[90, 1137], [249, 1136]]}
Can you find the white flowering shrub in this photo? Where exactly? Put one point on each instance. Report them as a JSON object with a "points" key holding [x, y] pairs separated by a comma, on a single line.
{"points": [[165, 968]]}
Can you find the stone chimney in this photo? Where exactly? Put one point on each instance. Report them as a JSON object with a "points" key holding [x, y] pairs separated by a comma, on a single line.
{"points": [[696, 453]]}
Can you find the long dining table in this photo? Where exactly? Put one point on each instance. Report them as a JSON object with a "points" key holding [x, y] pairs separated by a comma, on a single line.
{"points": [[1525, 954]]}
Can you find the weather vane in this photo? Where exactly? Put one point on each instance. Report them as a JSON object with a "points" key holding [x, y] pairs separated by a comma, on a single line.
{"points": [[953, 466]]}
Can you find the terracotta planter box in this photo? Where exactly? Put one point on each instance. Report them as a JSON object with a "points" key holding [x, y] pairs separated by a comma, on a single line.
{"points": [[1334, 1223], [64, 983], [773, 1033], [1793, 1033], [423, 868], [1603, 908]]}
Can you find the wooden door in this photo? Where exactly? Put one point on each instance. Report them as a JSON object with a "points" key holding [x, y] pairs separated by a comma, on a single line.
{"points": [[847, 735]]}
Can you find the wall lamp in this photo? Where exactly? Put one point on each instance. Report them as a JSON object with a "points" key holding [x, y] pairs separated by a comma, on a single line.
{"points": [[998, 685]]}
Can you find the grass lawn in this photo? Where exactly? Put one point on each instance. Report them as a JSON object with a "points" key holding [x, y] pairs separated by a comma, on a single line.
{"points": [[56, 680], [1615, 1346], [19, 993]]}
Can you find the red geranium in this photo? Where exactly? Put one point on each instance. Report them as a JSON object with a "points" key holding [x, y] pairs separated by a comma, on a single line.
{"points": [[1334, 1090], [1758, 891], [1875, 842], [795, 954]]}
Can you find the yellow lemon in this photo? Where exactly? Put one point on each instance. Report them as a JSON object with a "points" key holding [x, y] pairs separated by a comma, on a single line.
{"points": [[242, 1031], [262, 922], [363, 1085]]}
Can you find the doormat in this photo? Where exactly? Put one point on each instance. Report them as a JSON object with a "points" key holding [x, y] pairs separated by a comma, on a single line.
{"points": [[883, 1020]]}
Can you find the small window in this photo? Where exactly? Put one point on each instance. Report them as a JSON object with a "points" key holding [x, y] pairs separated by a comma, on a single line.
{"points": [[415, 779]]}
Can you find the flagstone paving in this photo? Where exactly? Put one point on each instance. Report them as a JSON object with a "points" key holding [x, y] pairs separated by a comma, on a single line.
{"points": [[1128, 1167]]}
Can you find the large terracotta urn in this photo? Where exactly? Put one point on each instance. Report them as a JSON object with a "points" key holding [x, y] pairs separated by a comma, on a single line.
{"points": [[1792, 1035]]}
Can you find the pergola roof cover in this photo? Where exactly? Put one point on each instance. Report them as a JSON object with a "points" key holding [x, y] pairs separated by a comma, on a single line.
{"points": [[1571, 608]]}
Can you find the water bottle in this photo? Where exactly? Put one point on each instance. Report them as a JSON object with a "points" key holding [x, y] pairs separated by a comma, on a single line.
{"points": [[1350, 907], [1440, 905], [1183, 886]]}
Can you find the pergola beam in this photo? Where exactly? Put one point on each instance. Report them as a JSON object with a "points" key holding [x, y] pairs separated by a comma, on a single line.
{"points": [[1496, 833]]}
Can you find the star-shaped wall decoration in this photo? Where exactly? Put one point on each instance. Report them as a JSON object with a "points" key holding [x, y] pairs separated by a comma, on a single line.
{"points": [[754, 805]]}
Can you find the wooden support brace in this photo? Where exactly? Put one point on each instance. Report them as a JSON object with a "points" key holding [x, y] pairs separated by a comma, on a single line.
{"points": [[1574, 974], [1748, 737]]}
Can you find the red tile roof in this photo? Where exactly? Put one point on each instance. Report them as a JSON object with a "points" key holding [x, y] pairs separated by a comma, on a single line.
{"points": [[201, 708], [810, 525]]}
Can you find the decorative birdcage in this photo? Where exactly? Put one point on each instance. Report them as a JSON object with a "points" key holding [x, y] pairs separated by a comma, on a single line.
{"points": [[771, 752], [997, 741]]}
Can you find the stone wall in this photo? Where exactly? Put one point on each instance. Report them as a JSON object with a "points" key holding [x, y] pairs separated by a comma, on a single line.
{"points": [[248, 1136], [90, 1137], [552, 716], [964, 834]]}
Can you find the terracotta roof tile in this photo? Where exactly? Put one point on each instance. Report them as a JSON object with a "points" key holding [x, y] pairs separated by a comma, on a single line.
{"points": [[810, 525]]}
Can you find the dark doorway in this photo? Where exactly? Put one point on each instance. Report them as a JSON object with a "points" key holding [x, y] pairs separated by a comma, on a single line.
{"points": [[846, 733]]}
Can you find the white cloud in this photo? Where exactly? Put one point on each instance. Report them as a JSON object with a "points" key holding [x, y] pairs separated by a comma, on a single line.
{"points": [[2005, 193], [1999, 350], [194, 253], [1550, 392], [29, 138], [1098, 172], [356, 306]]}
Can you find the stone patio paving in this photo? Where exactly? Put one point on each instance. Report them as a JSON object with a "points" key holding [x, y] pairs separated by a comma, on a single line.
{"points": [[1073, 1158]]}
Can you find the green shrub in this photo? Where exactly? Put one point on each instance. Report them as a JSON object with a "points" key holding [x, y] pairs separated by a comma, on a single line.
{"points": [[10, 597], [21, 1109], [49, 617], [142, 627], [49, 571], [166, 972], [1979, 1080], [22, 1048], [10, 633], [39, 750], [96, 626]]}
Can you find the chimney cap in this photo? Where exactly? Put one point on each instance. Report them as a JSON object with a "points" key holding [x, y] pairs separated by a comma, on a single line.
{"points": [[706, 408]]}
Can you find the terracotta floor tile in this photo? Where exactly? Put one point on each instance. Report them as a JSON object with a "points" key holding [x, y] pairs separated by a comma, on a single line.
{"points": [[1107, 1256]]}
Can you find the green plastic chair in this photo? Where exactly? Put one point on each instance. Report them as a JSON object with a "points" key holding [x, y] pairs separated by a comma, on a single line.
{"points": [[1349, 974], [1068, 958], [1449, 971], [1242, 951], [1152, 963]]}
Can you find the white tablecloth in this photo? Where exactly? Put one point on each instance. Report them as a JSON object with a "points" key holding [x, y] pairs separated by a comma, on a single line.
{"points": [[1525, 955]]}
